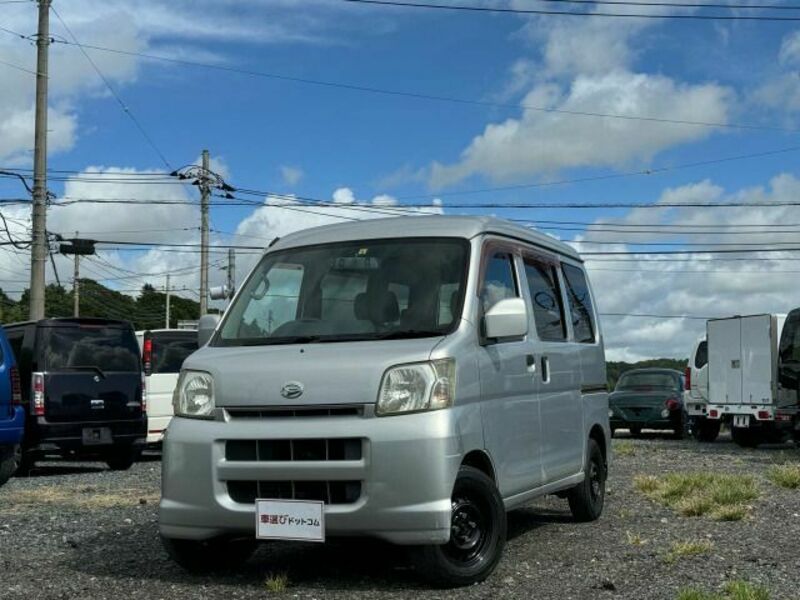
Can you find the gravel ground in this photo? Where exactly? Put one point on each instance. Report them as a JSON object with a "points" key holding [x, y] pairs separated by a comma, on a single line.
{"points": [[80, 531]]}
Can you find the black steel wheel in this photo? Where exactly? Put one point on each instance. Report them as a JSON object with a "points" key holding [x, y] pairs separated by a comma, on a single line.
{"points": [[586, 500], [477, 534]]}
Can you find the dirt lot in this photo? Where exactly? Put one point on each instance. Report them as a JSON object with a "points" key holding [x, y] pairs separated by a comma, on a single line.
{"points": [[80, 531]]}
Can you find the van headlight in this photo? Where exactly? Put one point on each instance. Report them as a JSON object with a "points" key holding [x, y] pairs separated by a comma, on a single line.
{"points": [[416, 387], [194, 395]]}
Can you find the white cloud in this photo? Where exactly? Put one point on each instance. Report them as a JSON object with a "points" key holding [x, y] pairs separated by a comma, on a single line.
{"points": [[695, 284], [291, 175], [542, 143]]}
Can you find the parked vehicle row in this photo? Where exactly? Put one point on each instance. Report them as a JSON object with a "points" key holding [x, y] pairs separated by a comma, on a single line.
{"points": [[83, 388], [743, 374]]}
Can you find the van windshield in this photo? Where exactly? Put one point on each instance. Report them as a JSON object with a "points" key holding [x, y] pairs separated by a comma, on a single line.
{"points": [[102, 347], [375, 289]]}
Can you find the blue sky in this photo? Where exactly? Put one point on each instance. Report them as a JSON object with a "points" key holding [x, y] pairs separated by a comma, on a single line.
{"points": [[295, 138]]}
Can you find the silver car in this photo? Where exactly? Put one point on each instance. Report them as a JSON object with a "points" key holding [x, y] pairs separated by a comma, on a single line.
{"points": [[410, 379]]}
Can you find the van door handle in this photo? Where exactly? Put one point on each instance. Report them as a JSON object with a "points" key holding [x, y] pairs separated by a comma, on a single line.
{"points": [[530, 362], [545, 369]]}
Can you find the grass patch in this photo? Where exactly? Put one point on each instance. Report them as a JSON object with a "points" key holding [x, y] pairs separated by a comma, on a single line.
{"points": [[687, 549], [276, 583], [785, 475], [722, 496], [734, 590], [92, 497], [624, 448], [635, 539]]}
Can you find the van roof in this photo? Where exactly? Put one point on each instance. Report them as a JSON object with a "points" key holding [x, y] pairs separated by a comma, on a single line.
{"points": [[422, 226], [60, 321]]}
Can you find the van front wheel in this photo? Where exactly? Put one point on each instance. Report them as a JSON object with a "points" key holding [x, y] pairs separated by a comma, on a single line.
{"points": [[477, 534], [587, 498]]}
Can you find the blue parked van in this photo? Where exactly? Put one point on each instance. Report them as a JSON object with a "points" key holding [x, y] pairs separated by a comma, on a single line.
{"points": [[12, 413]]}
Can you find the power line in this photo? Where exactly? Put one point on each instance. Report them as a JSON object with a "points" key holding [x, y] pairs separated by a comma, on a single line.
{"points": [[532, 11], [113, 92], [18, 68], [680, 4], [422, 95], [670, 252]]}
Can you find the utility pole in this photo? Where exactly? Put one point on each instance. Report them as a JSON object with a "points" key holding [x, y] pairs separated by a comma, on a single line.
{"points": [[76, 285], [39, 250], [231, 272], [205, 192], [166, 326]]}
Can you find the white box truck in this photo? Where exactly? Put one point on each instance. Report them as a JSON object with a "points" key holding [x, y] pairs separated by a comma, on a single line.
{"points": [[743, 377]]}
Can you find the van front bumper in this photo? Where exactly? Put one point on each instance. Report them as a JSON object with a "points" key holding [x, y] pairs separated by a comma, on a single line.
{"points": [[407, 469]]}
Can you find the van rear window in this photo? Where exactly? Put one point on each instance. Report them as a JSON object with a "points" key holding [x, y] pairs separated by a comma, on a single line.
{"points": [[171, 349], [108, 348]]}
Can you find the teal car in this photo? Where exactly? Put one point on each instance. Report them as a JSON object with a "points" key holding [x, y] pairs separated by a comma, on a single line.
{"points": [[648, 399]]}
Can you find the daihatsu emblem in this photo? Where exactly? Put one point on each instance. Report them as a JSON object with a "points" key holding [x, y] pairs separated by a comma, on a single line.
{"points": [[292, 390]]}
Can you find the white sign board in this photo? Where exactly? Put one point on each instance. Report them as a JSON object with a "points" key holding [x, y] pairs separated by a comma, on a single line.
{"points": [[298, 520]]}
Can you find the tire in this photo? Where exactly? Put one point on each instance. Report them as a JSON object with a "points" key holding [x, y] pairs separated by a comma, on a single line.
{"points": [[681, 427], [27, 463], [636, 431], [122, 459], [209, 555], [10, 458], [477, 534], [745, 438], [586, 499], [706, 430], [613, 431]]}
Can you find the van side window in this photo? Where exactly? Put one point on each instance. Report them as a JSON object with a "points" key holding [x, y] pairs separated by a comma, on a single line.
{"points": [[548, 310], [580, 304], [701, 357], [498, 280]]}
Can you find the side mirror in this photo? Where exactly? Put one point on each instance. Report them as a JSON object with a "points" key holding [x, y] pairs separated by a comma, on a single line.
{"points": [[507, 318], [205, 329], [220, 292]]}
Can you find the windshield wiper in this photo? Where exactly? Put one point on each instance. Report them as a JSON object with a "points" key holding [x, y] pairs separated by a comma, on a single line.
{"points": [[94, 368], [408, 333]]}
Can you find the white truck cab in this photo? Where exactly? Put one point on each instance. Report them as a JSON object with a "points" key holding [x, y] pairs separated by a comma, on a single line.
{"points": [[695, 396], [163, 353]]}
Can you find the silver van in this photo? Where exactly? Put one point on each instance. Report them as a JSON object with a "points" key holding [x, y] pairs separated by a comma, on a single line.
{"points": [[410, 379]]}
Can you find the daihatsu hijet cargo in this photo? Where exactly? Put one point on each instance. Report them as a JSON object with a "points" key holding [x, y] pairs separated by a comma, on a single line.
{"points": [[410, 379], [82, 386]]}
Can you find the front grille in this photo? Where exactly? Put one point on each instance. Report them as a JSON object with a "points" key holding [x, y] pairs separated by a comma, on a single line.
{"points": [[349, 410], [329, 492], [294, 450]]}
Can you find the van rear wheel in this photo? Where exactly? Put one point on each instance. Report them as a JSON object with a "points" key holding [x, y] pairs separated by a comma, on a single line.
{"points": [[122, 459], [202, 556], [586, 499], [477, 534]]}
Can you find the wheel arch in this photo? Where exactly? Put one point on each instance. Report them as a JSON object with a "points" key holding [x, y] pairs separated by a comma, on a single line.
{"points": [[480, 459]]}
